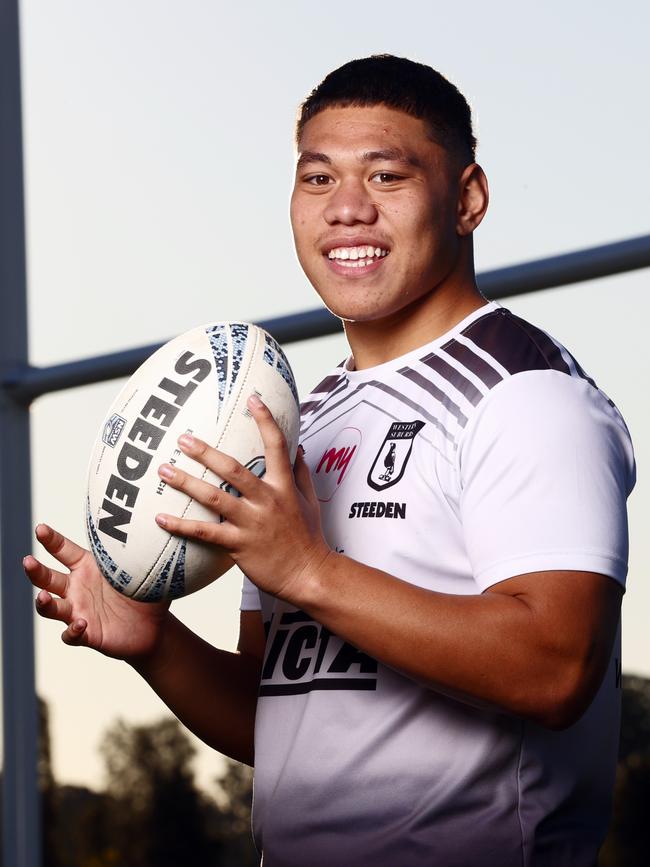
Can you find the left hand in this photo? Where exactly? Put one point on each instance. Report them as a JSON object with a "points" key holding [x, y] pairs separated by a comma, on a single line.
{"points": [[272, 531]]}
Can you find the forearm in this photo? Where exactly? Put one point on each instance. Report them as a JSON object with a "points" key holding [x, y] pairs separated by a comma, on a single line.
{"points": [[491, 648], [213, 692]]}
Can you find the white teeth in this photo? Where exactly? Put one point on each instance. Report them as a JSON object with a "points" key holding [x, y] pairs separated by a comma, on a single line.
{"points": [[359, 263], [357, 253]]}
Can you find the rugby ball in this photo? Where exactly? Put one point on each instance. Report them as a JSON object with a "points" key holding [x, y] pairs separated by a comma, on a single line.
{"points": [[197, 383]]}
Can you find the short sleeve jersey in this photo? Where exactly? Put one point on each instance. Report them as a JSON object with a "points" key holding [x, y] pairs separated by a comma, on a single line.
{"points": [[486, 454]]}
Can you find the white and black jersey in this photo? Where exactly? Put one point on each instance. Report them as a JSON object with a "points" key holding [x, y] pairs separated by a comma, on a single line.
{"points": [[486, 454]]}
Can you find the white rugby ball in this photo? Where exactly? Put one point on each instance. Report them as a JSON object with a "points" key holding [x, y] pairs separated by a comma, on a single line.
{"points": [[198, 383]]}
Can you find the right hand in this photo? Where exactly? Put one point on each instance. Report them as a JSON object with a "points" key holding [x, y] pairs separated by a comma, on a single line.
{"points": [[97, 616]]}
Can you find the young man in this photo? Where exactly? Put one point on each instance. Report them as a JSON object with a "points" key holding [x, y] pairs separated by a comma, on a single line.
{"points": [[440, 577]]}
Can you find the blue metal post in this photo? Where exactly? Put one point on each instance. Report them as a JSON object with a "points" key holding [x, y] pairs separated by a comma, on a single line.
{"points": [[21, 838]]}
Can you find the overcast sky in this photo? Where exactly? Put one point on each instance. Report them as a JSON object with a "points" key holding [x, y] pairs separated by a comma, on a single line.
{"points": [[159, 159]]}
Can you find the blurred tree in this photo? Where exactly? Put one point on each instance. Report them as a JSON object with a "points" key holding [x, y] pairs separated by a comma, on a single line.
{"points": [[160, 816], [83, 835], [47, 789], [635, 722], [152, 814], [234, 796], [628, 840]]}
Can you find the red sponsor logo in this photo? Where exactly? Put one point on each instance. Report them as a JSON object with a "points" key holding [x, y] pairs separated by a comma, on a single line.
{"points": [[337, 460], [332, 467]]}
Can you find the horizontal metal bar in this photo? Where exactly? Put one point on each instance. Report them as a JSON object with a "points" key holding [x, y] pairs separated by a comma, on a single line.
{"points": [[26, 383], [567, 268]]}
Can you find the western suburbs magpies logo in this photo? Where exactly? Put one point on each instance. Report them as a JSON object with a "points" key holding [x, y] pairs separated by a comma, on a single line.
{"points": [[389, 464]]}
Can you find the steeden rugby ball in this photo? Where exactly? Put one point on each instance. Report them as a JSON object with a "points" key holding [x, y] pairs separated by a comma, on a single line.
{"points": [[198, 383]]}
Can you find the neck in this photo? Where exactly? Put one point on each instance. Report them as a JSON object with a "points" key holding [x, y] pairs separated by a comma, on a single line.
{"points": [[375, 342]]}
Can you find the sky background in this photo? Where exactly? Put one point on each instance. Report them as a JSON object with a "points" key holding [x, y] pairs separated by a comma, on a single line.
{"points": [[158, 166]]}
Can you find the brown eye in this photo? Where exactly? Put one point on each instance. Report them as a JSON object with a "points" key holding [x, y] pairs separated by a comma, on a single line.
{"points": [[318, 180], [385, 177]]}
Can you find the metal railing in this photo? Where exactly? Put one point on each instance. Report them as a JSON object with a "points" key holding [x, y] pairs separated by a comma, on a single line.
{"points": [[25, 383]]}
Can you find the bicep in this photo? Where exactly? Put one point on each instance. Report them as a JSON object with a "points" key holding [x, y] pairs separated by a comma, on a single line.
{"points": [[573, 618]]}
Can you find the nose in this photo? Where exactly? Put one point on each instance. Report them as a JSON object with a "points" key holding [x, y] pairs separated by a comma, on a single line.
{"points": [[350, 203]]}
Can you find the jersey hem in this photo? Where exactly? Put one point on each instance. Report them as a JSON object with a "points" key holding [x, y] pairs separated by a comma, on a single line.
{"points": [[603, 564]]}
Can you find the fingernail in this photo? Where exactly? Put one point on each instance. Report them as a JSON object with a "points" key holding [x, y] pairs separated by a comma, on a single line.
{"points": [[186, 440], [255, 401], [161, 520], [301, 450], [166, 471]]}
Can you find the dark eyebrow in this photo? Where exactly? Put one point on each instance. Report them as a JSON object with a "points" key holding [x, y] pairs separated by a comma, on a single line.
{"points": [[392, 155], [307, 157]]}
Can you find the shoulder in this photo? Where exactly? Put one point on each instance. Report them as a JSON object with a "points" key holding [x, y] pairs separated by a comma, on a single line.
{"points": [[512, 345], [519, 362], [539, 399]]}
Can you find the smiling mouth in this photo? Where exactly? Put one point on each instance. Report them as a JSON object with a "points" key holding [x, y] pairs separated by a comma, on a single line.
{"points": [[357, 257]]}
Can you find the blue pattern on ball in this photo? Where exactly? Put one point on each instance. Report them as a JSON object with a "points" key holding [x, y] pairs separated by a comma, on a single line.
{"points": [[275, 358], [116, 577], [239, 336], [177, 586], [219, 345]]}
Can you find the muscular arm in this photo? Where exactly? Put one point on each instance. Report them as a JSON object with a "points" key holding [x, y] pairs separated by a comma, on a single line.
{"points": [[213, 692], [536, 645]]}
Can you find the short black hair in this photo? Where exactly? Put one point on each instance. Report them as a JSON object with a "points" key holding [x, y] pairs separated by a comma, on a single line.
{"points": [[402, 84]]}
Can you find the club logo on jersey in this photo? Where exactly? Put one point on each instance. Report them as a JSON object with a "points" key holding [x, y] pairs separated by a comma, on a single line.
{"points": [[113, 430], [334, 463], [391, 460]]}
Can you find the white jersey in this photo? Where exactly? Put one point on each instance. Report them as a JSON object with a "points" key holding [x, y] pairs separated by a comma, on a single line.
{"points": [[486, 454]]}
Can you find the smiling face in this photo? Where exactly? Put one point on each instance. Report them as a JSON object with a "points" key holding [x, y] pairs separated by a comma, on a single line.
{"points": [[376, 212]]}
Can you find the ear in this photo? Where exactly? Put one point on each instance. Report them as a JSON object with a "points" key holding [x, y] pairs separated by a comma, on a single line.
{"points": [[473, 198]]}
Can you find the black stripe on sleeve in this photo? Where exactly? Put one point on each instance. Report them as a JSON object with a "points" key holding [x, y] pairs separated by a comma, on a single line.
{"points": [[327, 384], [515, 344], [469, 391], [433, 390], [485, 372], [402, 398]]}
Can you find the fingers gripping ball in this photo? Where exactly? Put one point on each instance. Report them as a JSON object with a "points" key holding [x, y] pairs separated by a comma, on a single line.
{"points": [[197, 383]]}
